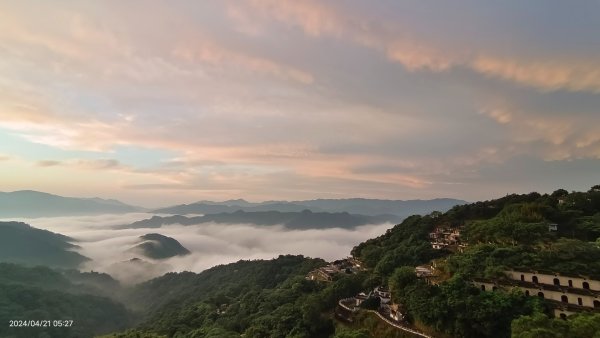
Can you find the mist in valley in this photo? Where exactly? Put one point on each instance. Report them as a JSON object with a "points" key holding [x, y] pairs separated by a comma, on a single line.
{"points": [[210, 244]]}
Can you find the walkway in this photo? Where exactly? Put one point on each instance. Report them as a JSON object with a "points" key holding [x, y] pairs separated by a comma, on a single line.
{"points": [[398, 326], [387, 320]]}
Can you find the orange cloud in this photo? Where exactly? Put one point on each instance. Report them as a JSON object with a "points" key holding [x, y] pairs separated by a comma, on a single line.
{"points": [[415, 56], [551, 137], [545, 75], [315, 18]]}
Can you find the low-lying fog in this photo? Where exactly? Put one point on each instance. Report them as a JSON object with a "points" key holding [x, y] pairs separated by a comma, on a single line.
{"points": [[211, 244]]}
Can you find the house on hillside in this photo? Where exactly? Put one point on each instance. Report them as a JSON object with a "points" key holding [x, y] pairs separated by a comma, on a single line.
{"points": [[383, 293], [361, 297], [445, 238], [327, 273], [323, 274], [387, 309]]}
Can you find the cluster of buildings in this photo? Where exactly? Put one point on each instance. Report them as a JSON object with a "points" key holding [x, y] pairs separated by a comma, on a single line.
{"points": [[433, 273], [446, 238], [566, 294], [387, 308], [327, 273]]}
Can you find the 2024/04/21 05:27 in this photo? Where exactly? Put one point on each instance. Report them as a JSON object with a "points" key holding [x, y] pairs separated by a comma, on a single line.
{"points": [[40, 323]]}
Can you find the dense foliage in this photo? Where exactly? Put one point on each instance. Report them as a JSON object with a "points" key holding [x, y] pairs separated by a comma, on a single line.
{"points": [[585, 325], [43, 294], [512, 231], [457, 308], [254, 298], [518, 236], [405, 244], [567, 256]]}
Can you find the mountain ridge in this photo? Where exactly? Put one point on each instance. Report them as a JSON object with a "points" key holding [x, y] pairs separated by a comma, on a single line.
{"points": [[292, 220], [22, 243], [32, 204], [363, 206]]}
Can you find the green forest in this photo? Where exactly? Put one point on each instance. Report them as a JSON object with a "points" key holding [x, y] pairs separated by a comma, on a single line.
{"points": [[40, 293]]}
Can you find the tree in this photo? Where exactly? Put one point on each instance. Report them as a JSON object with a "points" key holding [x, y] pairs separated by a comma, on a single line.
{"points": [[401, 278], [559, 193], [583, 325]]}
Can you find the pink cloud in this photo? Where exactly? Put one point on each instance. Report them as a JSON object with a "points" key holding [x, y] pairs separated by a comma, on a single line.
{"points": [[322, 20]]}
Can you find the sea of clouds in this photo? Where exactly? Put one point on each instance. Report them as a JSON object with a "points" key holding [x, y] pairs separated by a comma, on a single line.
{"points": [[210, 243]]}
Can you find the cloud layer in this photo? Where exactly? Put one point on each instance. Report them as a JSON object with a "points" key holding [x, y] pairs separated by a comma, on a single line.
{"points": [[210, 244], [291, 100]]}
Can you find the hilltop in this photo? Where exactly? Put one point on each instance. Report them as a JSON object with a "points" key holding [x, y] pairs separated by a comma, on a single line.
{"points": [[157, 246]]}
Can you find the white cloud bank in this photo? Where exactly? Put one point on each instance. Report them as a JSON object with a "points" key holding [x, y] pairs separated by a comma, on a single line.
{"points": [[211, 244]]}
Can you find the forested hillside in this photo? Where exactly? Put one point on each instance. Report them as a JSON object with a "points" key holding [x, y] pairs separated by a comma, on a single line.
{"points": [[21, 243], [254, 298], [557, 233], [512, 231], [40, 294]]}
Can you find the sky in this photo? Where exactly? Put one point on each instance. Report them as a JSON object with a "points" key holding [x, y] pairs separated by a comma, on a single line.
{"points": [[164, 102]]}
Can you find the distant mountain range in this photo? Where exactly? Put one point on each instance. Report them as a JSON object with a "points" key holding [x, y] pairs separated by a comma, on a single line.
{"points": [[293, 220], [157, 246], [362, 206], [27, 203], [210, 208], [21, 243]]}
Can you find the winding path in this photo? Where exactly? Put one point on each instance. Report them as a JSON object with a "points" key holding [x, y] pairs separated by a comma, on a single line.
{"points": [[387, 320]]}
